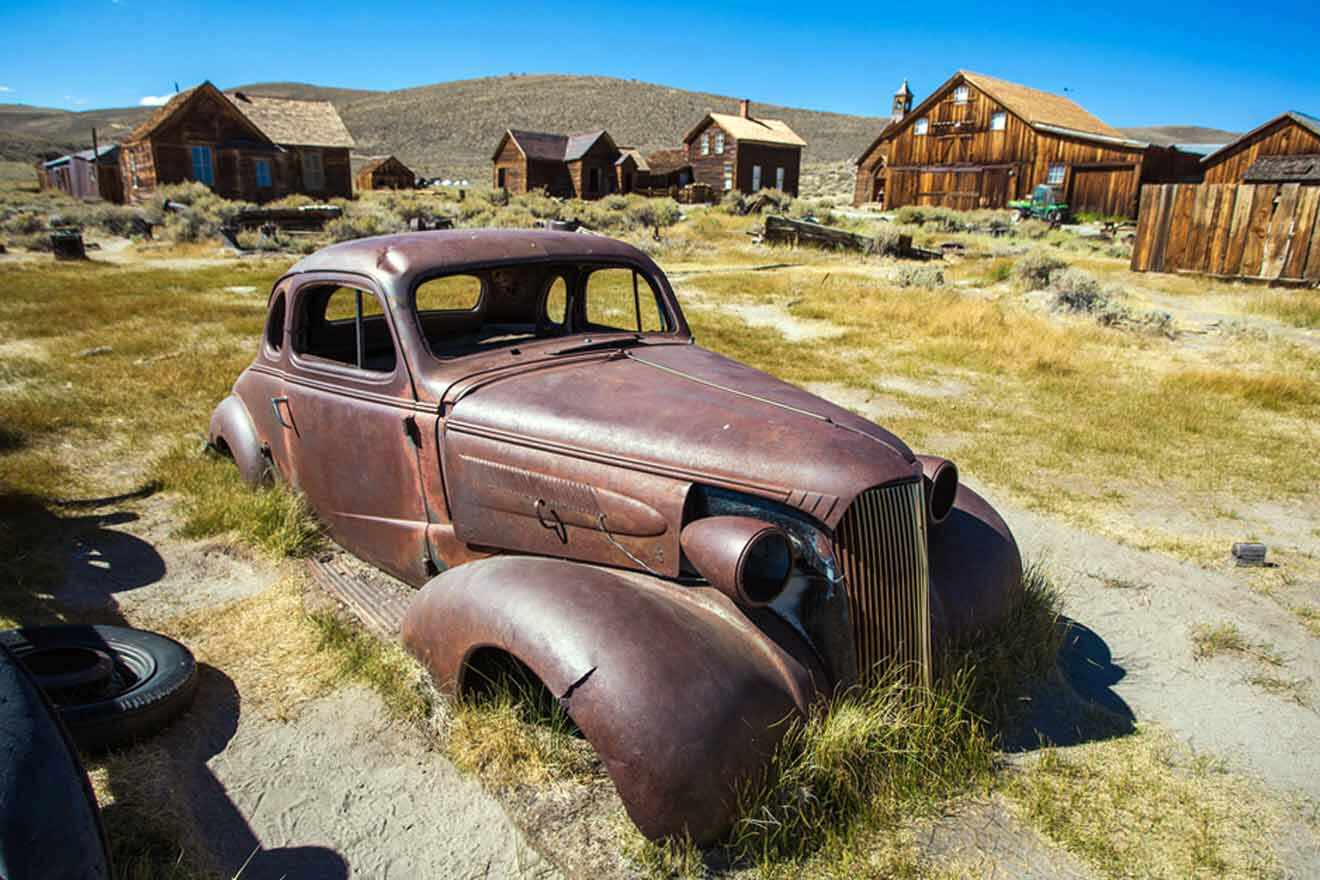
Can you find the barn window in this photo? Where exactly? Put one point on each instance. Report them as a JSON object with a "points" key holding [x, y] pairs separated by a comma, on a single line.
{"points": [[262, 168], [960, 95], [756, 178], [779, 179], [705, 144], [728, 176], [313, 170], [920, 126], [202, 168], [998, 121], [719, 142], [1055, 176]]}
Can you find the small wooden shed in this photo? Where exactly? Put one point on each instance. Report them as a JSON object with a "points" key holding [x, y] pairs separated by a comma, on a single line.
{"points": [[86, 174], [566, 165], [1289, 134], [384, 173]]}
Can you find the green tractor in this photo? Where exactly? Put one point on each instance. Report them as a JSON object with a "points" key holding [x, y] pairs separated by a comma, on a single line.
{"points": [[1046, 203]]}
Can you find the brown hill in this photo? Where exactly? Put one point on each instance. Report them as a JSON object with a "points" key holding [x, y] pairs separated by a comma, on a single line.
{"points": [[449, 129]]}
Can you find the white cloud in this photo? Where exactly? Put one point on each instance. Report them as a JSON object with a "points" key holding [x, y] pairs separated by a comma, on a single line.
{"points": [[4, 88], [153, 100]]}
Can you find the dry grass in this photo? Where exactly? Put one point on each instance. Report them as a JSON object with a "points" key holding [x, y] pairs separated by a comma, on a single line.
{"points": [[1213, 640], [1143, 807], [1301, 308]]}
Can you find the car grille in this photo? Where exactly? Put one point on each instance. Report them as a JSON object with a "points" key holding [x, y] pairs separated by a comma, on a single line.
{"points": [[882, 555]]}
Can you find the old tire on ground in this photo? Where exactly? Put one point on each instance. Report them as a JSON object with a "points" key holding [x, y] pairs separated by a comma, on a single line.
{"points": [[112, 685], [50, 826]]}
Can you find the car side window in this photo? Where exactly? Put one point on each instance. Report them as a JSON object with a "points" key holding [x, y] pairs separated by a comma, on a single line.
{"points": [[275, 323], [345, 325], [622, 299]]}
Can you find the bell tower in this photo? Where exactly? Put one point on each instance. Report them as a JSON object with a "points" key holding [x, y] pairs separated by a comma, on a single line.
{"points": [[902, 102]]}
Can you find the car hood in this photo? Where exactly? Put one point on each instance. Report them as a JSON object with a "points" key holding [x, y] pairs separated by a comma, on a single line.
{"points": [[683, 411]]}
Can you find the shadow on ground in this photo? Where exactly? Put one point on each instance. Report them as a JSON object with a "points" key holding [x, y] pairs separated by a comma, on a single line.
{"points": [[1078, 703]]}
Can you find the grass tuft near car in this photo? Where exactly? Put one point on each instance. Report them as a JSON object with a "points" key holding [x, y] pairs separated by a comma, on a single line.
{"points": [[686, 551]]}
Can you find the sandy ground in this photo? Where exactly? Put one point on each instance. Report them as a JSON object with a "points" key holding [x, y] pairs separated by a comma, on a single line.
{"points": [[339, 789]]}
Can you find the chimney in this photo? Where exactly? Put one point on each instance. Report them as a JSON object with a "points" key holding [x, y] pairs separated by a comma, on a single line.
{"points": [[902, 102], [745, 108]]}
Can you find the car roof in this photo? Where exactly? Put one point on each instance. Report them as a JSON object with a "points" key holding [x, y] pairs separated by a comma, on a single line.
{"points": [[396, 259]]}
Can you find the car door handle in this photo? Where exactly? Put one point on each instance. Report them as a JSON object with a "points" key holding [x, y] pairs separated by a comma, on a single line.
{"points": [[275, 404]]}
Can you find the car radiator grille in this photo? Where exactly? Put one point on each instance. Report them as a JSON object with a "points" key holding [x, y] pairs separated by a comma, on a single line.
{"points": [[882, 556]]}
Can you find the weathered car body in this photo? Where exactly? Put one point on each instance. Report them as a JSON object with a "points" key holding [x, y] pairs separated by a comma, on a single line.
{"points": [[687, 552]]}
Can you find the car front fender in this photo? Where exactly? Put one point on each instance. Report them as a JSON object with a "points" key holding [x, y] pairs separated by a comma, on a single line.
{"points": [[975, 569], [232, 430], [681, 695]]}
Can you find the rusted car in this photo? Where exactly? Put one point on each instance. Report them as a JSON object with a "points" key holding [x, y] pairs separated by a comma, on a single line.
{"points": [[687, 552]]}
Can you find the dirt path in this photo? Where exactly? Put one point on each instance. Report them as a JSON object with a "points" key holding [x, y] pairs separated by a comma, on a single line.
{"points": [[337, 789]]}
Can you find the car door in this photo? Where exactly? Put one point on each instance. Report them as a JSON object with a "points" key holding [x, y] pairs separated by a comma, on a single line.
{"points": [[348, 416]]}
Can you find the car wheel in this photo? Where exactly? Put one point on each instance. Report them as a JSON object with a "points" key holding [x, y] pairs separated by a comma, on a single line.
{"points": [[112, 685], [50, 826]]}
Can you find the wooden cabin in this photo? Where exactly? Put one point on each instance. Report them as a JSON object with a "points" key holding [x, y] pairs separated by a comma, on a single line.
{"points": [[248, 147], [667, 168], [384, 173], [1290, 134], [980, 142], [87, 174], [564, 165], [629, 169], [744, 153]]}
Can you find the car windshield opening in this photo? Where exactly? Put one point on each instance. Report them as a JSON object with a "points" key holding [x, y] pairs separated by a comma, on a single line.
{"points": [[470, 312]]}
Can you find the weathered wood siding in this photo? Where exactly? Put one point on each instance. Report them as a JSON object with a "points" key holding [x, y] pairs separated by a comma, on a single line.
{"points": [[1283, 138], [600, 158], [741, 157], [389, 174], [710, 169], [1267, 231], [510, 160]]}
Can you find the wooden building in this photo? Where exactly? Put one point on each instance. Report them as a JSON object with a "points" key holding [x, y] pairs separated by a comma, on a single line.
{"points": [[1290, 134], [744, 153], [243, 146], [385, 173], [564, 165], [980, 142], [87, 174]]}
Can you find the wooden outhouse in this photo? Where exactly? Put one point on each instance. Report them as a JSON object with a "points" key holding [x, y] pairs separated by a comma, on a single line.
{"points": [[1290, 134], [744, 153], [980, 142], [564, 165], [243, 146], [384, 173], [86, 174]]}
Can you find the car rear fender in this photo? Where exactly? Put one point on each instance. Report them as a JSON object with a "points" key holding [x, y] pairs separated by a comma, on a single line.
{"points": [[232, 432], [681, 694]]}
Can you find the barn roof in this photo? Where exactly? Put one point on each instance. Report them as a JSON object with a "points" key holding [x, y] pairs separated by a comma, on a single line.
{"points": [[1305, 120], [636, 155], [278, 120], [550, 147], [1300, 168], [376, 163], [665, 161], [1041, 108], [750, 129], [290, 121]]}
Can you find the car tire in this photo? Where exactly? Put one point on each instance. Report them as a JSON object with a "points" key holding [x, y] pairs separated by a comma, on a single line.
{"points": [[112, 685], [50, 825]]}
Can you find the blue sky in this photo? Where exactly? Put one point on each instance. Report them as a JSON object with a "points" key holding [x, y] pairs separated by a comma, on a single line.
{"points": [[1224, 65]]}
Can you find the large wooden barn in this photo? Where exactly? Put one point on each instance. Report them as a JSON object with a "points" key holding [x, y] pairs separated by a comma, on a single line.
{"points": [[980, 142], [1255, 157], [744, 153], [566, 165], [243, 146], [386, 172]]}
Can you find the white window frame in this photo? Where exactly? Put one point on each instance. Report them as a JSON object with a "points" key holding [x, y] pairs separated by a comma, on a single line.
{"points": [[258, 165], [313, 172], [779, 179], [728, 176], [705, 144], [196, 152], [1056, 174], [719, 143], [998, 120], [921, 126], [756, 178], [961, 94]]}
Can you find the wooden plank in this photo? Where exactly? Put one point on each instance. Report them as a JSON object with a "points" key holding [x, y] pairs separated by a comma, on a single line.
{"points": [[1312, 270], [1239, 230], [1223, 227], [1308, 204], [1197, 230], [1278, 236], [1162, 218], [1175, 250], [1258, 228], [1141, 246]]}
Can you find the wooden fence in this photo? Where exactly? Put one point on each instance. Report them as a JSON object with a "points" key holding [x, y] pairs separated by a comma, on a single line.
{"points": [[1264, 232]]}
